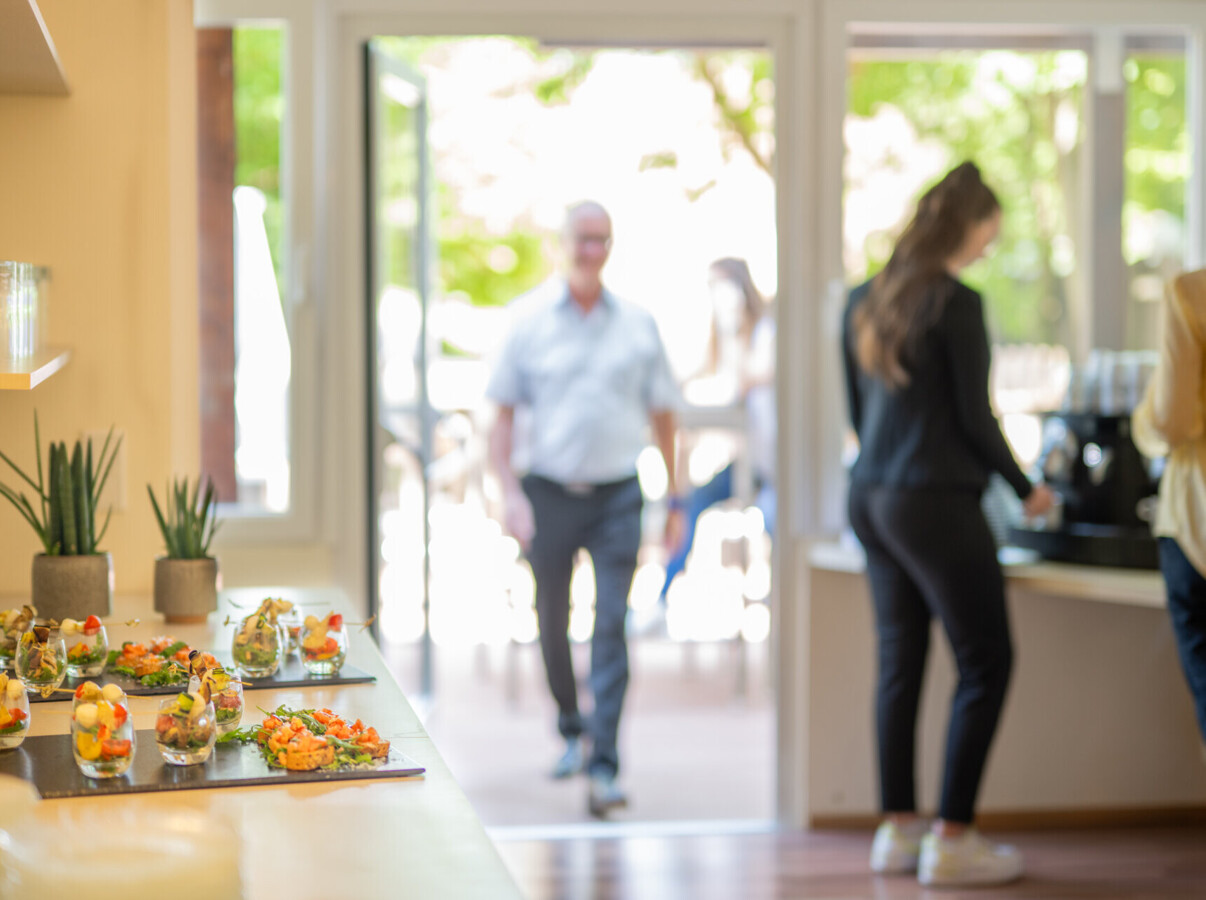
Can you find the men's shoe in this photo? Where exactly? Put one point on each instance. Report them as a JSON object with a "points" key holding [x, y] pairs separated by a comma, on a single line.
{"points": [[571, 761], [966, 860], [896, 847], [605, 795]]}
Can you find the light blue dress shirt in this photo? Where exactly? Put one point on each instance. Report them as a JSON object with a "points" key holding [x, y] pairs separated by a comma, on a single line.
{"points": [[587, 382]]}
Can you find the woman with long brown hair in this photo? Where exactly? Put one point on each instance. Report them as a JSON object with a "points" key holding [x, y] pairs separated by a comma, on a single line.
{"points": [[916, 364], [742, 344]]}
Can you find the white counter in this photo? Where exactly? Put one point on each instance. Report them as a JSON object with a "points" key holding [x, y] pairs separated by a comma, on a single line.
{"points": [[1098, 725], [401, 837], [1023, 569]]}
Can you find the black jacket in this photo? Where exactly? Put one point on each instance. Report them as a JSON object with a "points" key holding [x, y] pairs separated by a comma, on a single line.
{"points": [[938, 431]]}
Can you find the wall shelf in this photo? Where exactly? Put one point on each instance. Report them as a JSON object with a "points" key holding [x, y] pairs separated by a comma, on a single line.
{"points": [[28, 374], [29, 62]]}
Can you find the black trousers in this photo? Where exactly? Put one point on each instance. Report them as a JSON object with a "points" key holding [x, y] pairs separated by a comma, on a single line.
{"points": [[606, 521], [930, 554]]}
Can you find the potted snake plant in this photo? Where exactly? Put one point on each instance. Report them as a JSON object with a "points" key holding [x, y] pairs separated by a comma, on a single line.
{"points": [[186, 579], [72, 578]]}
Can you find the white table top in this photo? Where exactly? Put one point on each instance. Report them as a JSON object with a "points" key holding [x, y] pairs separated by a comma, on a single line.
{"points": [[402, 837]]}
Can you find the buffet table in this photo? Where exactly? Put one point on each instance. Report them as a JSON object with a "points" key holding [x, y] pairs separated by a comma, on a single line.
{"points": [[1098, 726], [396, 837]]}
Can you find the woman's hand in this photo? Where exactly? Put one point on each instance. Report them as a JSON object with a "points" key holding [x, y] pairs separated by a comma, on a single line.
{"points": [[675, 531], [1040, 500]]}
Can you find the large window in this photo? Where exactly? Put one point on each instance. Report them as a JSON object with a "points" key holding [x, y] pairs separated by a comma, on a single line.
{"points": [[1019, 116], [1059, 124]]}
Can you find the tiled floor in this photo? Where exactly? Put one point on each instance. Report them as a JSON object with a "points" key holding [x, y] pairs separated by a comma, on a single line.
{"points": [[696, 744]]}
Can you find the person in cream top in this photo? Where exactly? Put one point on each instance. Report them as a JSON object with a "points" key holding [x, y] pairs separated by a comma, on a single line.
{"points": [[1171, 422]]}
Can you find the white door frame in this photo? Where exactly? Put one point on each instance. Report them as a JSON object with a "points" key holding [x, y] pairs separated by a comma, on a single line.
{"points": [[784, 35]]}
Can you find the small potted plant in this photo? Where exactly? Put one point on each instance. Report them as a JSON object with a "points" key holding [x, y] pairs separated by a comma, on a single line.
{"points": [[186, 580], [72, 578]]}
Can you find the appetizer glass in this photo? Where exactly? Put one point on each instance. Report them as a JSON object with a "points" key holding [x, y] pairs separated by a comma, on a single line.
{"points": [[323, 647], [258, 646], [228, 703], [41, 667], [102, 739], [8, 648], [185, 736], [10, 634], [87, 654], [14, 713], [292, 623]]}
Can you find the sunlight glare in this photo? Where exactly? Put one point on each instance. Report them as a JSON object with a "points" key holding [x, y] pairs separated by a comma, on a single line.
{"points": [[646, 586], [755, 624]]}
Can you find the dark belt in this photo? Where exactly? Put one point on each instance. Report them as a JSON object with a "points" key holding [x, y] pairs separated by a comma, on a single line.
{"points": [[583, 488]]}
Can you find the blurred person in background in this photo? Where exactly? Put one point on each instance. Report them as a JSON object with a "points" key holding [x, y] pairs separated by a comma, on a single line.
{"points": [[742, 347], [916, 358], [1170, 422], [590, 371]]}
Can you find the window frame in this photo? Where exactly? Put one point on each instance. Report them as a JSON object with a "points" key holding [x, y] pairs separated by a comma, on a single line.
{"points": [[300, 523], [1110, 22]]}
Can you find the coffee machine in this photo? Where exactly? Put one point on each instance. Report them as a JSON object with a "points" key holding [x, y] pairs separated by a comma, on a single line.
{"points": [[1106, 492]]}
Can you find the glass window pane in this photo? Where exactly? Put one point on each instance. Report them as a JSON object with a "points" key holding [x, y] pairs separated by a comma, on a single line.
{"points": [[1157, 165], [263, 355], [1019, 116]]}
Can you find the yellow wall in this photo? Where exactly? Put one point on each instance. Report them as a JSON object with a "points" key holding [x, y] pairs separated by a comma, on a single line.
{"points": [[101, 187]]}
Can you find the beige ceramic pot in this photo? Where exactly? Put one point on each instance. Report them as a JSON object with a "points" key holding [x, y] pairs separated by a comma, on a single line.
{"points": [[72, 587], [186, 590]]}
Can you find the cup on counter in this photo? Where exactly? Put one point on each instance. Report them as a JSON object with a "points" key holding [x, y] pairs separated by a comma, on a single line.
{"points": [[1052, 519]]}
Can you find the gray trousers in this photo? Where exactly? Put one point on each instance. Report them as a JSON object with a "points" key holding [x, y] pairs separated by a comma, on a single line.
{"points": [[605, 520]]}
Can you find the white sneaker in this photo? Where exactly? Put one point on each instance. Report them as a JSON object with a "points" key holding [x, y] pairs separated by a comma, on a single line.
{"points": [[966, 860], [896, 847]]}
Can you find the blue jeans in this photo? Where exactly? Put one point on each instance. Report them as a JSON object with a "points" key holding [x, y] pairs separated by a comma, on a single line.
{"points": [[1187, 606], [606, 521], [719, 489]]}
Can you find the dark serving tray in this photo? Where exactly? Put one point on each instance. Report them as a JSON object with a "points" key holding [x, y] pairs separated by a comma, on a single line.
{"points": [[291, 674], [46, 761]]}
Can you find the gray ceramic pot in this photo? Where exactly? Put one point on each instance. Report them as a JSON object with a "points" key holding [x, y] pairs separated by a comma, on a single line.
{"points": [[72, 587], [186, 590]]}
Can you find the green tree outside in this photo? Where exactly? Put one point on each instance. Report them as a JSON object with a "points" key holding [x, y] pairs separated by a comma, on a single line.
{"points": [[259, 109]]}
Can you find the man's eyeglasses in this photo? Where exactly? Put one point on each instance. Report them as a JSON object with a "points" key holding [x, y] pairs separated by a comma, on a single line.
{"points": [[597, 240]]}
